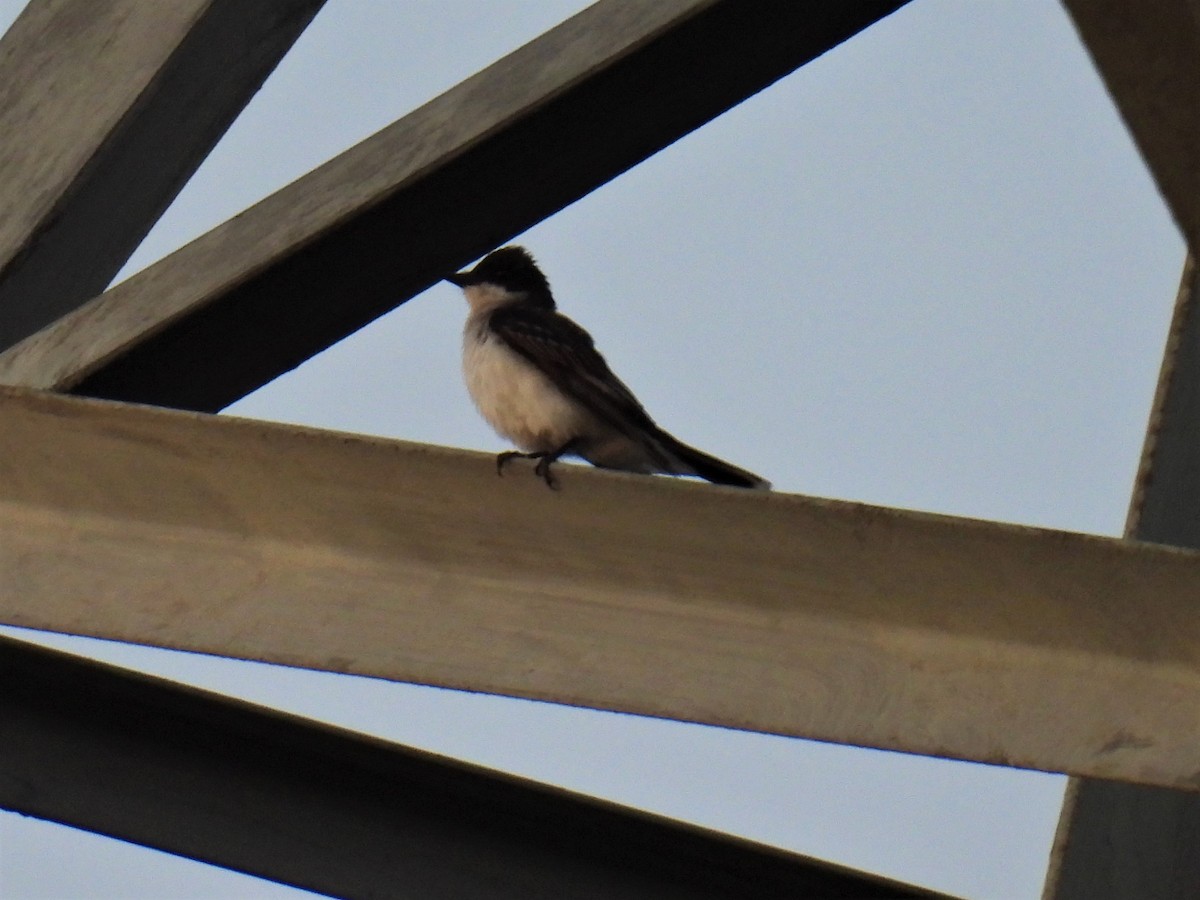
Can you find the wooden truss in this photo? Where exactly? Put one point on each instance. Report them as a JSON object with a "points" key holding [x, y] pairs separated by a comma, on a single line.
{"points": [[780, 614]]}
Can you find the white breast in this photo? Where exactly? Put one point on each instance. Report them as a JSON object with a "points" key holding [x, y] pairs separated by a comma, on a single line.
{"points": [[517, 400]]}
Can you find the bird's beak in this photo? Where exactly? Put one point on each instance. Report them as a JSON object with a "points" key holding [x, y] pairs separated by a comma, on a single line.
{"points": [[458, 278]]}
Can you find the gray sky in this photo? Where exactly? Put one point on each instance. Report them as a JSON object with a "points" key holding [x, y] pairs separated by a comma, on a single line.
{"points": [[928, 270]]}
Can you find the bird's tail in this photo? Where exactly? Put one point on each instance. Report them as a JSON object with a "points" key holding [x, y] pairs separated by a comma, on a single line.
{"points": [[697, 462]]}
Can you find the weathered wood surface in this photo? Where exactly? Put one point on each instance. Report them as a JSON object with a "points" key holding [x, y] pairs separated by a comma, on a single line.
{"points": [[360, 235], [106, 109], [773, 613]]}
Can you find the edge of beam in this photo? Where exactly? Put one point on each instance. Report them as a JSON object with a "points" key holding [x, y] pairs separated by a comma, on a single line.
{"points": [[1148, 56], [106, 110], [1122, 840], [241, 786]]}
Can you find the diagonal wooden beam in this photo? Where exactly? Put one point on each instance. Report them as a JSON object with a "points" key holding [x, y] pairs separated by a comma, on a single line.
{"points": [[1149, 57], [106, 109], [506, 148], [273, 795], [1121, 840], [773, 613]]}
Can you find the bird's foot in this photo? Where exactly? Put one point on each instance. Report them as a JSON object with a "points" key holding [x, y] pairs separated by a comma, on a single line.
{"points": [[545, 459], [542, 469], [503, 459]]}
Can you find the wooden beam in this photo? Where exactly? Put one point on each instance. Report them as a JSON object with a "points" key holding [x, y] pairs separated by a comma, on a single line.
{"points": [[766, 612], [493, 156], [106, 109], [1120, 840], [273, 795], [1149, 57]]}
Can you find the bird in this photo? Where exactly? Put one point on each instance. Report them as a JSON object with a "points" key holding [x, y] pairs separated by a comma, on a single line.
{"points": [[539, 381]]}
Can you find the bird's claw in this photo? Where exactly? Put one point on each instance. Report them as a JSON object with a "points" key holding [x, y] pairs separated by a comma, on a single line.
{"points": [[541, 470], [503, 459]]}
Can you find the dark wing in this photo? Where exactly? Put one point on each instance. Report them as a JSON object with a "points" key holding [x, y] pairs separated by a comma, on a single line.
{"points": [[565, 353]]}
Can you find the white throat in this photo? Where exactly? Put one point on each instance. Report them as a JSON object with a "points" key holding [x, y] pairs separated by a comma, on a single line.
{"points": [[486, 297]]}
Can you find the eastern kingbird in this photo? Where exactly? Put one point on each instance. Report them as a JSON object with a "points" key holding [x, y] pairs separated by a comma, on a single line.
{"points": [[538, 379]]}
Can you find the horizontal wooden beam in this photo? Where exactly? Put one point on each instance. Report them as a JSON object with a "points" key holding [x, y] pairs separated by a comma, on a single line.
{"points": [[1149, 57], [774, 613], [230, 783], [355, 238], [106, 109]]}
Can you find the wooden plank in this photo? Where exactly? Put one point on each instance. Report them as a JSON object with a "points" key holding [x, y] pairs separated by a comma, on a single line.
{"points": [[1149, 57], [1120, 840], [238, 785], [360, 235], [106, 109], [773, 613]]}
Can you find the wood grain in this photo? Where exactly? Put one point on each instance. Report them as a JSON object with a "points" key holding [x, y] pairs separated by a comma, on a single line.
{"points": [[773, 613], [106, 109]]}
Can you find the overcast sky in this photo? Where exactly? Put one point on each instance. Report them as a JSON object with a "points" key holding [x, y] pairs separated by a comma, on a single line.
{"points": [[928, 270]]}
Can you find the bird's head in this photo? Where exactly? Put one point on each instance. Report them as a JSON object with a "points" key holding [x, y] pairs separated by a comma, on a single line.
{"points": [[507, 275]]}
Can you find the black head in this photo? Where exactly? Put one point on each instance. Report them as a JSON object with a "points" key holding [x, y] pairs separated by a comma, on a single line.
{"points": [[510, 268]]}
